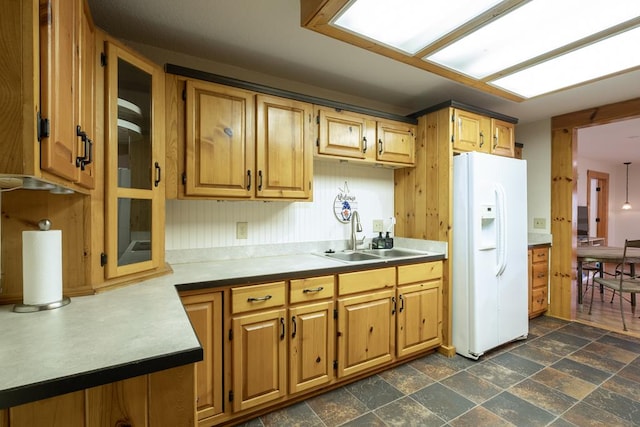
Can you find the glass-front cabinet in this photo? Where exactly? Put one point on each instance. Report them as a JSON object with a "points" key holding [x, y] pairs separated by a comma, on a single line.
{"points": [[134, 135]]}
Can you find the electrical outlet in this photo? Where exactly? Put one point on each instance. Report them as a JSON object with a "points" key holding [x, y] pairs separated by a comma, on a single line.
{"points": [[242, 230], [378, 225], [539, 223]]}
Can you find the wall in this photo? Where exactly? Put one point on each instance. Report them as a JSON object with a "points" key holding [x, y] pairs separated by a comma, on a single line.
{"points": [[536, 137], [211, 224], [622, 224]]}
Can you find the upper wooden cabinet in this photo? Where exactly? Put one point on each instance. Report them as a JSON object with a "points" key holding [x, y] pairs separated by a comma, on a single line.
{"points": [[349, 135], [284, 156], [470, 131], [134, 188], [237, 144], [47, 124], [503, 139], [220, 142], [396, 142], [342, 133]]}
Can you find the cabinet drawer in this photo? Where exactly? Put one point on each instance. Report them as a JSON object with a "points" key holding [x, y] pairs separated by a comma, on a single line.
{"points": [[540, 255], [539, 274], [257, 297], [419, 272], [314, 288], [360, 281], [538, 300]]}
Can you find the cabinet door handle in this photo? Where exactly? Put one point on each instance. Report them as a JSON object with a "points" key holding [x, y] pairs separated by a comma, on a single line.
{"points": [[158, 174], [258, 299], [259, 180], [248, 179], [364, 139], [318, 289], [380, 146], [295, 327], [401, 303], [481, 138], [495, 140], [393, 308], [82, 161], [282, 325]]}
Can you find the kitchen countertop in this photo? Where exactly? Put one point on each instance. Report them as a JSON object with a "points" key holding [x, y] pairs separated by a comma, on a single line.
{"points": [[133, 330]]}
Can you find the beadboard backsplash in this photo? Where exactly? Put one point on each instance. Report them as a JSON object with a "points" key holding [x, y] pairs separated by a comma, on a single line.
{"points": [[194, 224]]}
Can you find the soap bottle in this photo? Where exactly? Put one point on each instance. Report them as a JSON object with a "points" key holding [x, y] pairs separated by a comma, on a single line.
{"points": [[388, 241], [378, 242]]}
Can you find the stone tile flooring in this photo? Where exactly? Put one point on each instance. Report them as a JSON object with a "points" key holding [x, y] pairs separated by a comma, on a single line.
{"points": [[564, 374]]}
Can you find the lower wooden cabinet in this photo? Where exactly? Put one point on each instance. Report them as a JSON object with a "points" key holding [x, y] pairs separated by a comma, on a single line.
{"points": [[289, 338], [259, 358], [419, 300], [311, 346], [365, 331], [538, 281], [205, 314], [163, 398]]}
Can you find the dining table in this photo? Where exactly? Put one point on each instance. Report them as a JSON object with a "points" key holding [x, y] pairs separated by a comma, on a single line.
{"points": [[604, 255]]}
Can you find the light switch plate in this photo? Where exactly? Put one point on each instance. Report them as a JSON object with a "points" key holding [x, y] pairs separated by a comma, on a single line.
{"points": [[378, 225], [242, 230]]}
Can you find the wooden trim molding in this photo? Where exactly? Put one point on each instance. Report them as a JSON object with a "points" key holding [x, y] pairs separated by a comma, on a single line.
{"points": [[562, 301]]}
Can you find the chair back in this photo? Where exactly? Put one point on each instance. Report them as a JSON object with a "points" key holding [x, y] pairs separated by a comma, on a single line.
{"points": [[628, 244]]}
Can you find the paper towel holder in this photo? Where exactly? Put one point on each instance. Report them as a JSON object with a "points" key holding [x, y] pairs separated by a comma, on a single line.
{"points": [[44, 225]]}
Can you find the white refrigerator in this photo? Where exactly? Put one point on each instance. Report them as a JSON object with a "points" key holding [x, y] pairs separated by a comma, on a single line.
{"points": [[489, 254]]}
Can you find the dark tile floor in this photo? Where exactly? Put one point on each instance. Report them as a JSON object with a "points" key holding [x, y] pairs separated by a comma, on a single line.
{"points": [[564, 374]]}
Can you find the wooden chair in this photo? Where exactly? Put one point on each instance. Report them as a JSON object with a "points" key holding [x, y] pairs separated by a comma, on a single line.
{"points": [[621, 283]]}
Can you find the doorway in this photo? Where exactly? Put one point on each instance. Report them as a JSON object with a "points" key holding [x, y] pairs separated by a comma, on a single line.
{"points": [[564, 130], [598, 205]]}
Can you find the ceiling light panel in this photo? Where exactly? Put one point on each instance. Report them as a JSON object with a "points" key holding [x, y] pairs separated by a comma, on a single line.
{"points": [[408, 25], [609, 56], [531, 30]]}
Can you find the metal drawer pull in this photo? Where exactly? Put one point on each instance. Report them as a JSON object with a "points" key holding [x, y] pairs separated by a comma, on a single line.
{"points": [[295, 327], [264, 298], [318, 289]]}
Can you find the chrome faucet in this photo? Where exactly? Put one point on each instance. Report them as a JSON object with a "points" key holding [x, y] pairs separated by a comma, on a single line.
{"points": [[355, 227]]}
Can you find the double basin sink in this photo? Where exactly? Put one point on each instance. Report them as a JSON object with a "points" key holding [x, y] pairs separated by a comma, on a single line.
{"points": [[375, 254]]}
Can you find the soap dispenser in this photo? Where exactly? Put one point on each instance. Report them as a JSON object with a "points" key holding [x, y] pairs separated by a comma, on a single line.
{"points": [[388, 241], [378, 242]]}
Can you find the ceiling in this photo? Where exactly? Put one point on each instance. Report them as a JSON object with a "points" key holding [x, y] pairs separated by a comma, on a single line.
{"points": [[265, 36]]}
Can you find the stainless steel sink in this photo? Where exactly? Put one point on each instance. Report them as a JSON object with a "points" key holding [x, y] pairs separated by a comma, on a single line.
{"points": [[393, 253], [351, 256], [374, 254]]}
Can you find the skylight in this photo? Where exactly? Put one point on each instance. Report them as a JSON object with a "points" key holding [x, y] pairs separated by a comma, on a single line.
{"points": [[520, 47]]}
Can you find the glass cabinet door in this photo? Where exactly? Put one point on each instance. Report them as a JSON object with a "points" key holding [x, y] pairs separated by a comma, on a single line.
{"points": [[134, 240]]}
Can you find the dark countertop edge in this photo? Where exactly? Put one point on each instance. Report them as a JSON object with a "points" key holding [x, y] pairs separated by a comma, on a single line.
{"points": [[255, 87], [539, 245], [466, 107], [58, 386], [344, 268]]}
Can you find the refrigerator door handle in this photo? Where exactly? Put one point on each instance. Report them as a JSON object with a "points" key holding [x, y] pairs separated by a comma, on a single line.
{"points": [[501, 230]]}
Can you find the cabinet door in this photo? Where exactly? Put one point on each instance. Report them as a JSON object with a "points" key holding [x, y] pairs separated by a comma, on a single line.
{"points": [[134, 135], [366, 331], [59, 77], [86, 106], [396, 142], [311, 346], [419, 321], [503, 138], [341, 133], [470, 131], [205, 314], [220, 153], [284, 155], [259, 358]]}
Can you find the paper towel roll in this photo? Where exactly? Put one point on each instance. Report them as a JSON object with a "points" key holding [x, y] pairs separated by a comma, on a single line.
{"points": [[42, 266]]}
